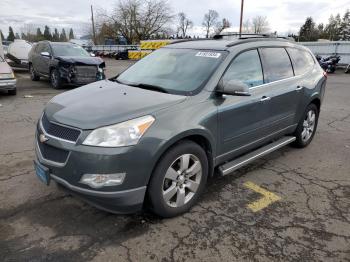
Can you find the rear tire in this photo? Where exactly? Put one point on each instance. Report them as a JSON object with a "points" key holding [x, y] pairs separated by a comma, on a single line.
{"points": [[307, 127], [12, 92], [178, 179], [56, 80]]}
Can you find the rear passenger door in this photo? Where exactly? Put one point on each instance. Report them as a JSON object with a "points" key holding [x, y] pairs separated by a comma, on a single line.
{"points": [[44, 64], [283, 92]]}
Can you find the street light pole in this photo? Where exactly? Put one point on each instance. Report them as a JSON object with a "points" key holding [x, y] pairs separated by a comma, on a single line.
{"points": [[241, 20]]}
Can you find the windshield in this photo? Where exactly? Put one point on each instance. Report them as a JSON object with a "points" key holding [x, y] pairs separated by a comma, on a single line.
{"points": [[176, 71], [69, 50]]}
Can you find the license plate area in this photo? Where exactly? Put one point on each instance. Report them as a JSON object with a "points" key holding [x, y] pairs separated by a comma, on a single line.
{"points": [[43, 173]]}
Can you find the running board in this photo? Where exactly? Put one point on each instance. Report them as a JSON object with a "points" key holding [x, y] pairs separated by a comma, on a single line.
{"points": [[229, 167]]}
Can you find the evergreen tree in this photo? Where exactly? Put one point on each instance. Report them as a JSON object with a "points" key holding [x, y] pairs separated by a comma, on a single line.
{"points": [[71, 34], [55, 36], [345, 27], [63, 36], [308, 31], [11, 36], [17, 36], [47, 33], [39, 35], [2, 36]]}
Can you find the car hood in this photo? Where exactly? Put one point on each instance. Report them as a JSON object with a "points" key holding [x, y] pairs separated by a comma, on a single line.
{"points": [[105, 103], [80, 60], [5, 68]]}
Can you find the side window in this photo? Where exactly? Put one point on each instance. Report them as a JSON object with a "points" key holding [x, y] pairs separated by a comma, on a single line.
{"points": [[46, 48], [245, 68], [276, 64], [38, 48], [302, 60]]}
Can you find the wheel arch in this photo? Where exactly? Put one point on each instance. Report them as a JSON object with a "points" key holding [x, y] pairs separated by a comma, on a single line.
{"points": [[199, 136]]}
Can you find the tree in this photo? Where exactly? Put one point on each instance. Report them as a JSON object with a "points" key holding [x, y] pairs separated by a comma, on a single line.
{"points": [[184, 24], [246, 27], [39, 34], [345, 27], [333, 28], [11, 36], [223, 25], [260, 25], [210, 20], [2, 35], [308, 31], [17, 36], [55, 36], [63, 36], [140, 20], [47, 33], [71, 34]]}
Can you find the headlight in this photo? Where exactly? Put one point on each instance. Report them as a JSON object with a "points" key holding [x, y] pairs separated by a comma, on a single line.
{"points": [[7, 76], [123, 134]]}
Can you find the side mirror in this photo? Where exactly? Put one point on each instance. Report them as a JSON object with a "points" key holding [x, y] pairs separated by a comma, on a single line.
{"points": [[235, 88], [45, 54]]}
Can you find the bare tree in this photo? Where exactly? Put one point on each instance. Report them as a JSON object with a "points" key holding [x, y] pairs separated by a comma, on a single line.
{"points": [[184, 24], [260, 25], [210, 21], [222, 25], [247, 26], [138, 20]]}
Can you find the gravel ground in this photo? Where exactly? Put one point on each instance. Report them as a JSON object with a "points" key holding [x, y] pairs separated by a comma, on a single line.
{"points": [[310, 222]]}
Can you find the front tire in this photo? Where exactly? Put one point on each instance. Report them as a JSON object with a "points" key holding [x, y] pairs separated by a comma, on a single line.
{"points": [[12, 92], [33, 75], [307, 127], [56, 80], [178, 179]]}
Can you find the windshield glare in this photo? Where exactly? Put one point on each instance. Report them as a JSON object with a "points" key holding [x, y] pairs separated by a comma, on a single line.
{"points": [[178, 71], [69, 50]]}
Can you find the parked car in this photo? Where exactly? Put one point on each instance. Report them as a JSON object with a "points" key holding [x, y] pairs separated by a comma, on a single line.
{"points": [[64, 63], [17, 53], [154, 134], [7, 78]]}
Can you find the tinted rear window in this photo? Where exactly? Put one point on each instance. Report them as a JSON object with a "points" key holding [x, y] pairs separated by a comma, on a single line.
{"points": [[276, 64], [302, 60]]}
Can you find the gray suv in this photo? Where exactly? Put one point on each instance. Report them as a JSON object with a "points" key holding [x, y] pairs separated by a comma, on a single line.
{"points": [[151, 136]]}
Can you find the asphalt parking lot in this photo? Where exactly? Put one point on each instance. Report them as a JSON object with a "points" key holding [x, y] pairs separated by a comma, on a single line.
{"points": [[309, 220]]}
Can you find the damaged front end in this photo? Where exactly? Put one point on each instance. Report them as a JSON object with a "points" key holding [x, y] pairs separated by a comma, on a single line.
{"points": [[78, 73]]}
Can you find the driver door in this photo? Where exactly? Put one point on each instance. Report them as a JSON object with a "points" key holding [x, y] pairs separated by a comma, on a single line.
{"points": [[242, 118]]}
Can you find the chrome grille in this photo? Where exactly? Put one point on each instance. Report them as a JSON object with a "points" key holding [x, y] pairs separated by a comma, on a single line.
{"points": [[85, 74]]}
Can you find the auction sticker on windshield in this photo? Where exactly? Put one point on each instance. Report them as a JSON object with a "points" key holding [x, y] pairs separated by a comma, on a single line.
{"points": [[209, 54]]}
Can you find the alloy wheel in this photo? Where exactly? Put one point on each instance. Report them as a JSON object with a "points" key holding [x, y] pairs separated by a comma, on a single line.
{"points": [[182, 180], [308, 125]]}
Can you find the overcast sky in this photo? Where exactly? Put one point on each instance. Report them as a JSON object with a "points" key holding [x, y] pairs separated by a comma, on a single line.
{"points": [[283, 15]]}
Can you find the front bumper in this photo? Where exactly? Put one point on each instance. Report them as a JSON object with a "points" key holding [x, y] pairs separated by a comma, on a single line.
{"points": [[7, 84], [122, 199]]}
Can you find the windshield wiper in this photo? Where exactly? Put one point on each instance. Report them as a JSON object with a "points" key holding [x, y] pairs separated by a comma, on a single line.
{"points": [[150, 87]]}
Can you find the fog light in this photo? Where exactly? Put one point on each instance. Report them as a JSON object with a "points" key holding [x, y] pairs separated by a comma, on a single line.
{"points": [[102, 180]]}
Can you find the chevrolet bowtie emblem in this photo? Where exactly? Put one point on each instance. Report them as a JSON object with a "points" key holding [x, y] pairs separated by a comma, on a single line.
{"points": [[43, 138]]}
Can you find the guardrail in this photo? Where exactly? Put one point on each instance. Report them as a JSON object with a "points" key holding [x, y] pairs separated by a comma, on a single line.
{"points": [[341, 48], [114, 48]]}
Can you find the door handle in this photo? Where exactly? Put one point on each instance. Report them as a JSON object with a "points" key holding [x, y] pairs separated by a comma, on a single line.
{"points": [[265, 98], [299, 88]]}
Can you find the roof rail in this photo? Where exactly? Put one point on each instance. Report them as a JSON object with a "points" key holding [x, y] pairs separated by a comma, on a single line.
{"points": [[253, 39], [176, 41]]}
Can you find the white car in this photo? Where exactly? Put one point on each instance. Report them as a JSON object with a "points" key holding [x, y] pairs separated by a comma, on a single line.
{"points": [[7, 78]]}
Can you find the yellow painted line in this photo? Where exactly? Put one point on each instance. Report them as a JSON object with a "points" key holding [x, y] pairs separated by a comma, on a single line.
{"points": [[267, 199]]}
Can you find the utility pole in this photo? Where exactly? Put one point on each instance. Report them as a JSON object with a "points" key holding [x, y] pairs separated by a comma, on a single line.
{"points": [[93, 25], [241, 20]]}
